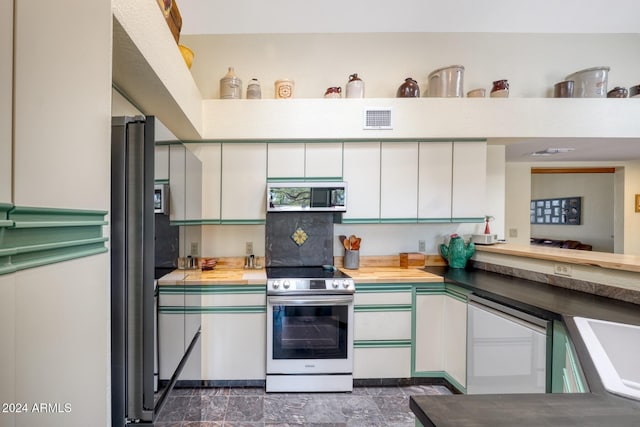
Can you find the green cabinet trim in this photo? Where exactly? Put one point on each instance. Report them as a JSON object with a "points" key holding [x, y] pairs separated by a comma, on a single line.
{"points": [[176, 309], [382, 307], [205, 221], [467, 220], [346, 141], [381, 343], [306, 179], [361, 220], [431, 289], [564, 363], [211, 289], [363, 288], [440, 374], [434, 220], [34, 236]]}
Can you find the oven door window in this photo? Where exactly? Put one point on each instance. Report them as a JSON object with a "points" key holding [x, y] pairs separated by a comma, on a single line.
{"points": [[310, 331]]}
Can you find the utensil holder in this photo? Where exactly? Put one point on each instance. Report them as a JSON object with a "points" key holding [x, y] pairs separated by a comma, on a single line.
{"points": [[352, 260]]}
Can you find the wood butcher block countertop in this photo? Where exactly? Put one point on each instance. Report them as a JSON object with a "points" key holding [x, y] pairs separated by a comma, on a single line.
{"points": [[596, 259], [217, 276], [238, 276], [391, 275]]}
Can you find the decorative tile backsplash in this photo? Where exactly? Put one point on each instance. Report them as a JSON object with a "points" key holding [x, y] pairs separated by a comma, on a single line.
{"points": [[298, 239]]}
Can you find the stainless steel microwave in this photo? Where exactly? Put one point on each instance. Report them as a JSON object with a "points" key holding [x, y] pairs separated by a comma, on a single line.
{"points": [[161, 199], [306, 196]]}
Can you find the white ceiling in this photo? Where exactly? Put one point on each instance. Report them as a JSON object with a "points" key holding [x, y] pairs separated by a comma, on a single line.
{"points": [[585, 149], [364, 16]]}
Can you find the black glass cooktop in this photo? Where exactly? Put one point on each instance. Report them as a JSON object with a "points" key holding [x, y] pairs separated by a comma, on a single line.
{"points": [[318, 272]]}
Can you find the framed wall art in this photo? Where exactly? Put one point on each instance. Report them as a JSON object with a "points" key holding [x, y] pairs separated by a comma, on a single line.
{"points": [[558, 211]]}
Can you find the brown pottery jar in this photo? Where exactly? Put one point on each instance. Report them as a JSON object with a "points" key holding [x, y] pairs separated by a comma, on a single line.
{"points": [[408, 89]]}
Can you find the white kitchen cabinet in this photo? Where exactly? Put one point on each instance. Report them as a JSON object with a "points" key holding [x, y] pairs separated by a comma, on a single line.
{"points": [[434, 181], [469, 181], [286, 160], [244, 175], [178, 322], [429, 321], [185, 188], [382, 331], [6, 98], [323, 160], [380, 361], [440, 345], [234, 334], [399, 181], [210, 154], [234, 346], [161, 163], [455, 339], [318, 160], [362, 174]]}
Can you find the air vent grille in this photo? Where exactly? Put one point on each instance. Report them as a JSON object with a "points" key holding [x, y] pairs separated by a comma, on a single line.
{"points": [[377, 118]]}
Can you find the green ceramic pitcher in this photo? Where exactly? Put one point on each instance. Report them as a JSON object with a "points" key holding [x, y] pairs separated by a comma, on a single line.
{"points": [[457, 252]]}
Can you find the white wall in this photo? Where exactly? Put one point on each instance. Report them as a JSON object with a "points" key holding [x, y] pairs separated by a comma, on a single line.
{"points": [[517, 196], [6, 97], [631, 217], [496, 189], [532, 63], [597, 193]]}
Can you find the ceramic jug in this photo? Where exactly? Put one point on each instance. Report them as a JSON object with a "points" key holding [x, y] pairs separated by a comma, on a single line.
{"points": [[253, 89], [355, 87], [457, 253], [409, 89], [230, 85]]}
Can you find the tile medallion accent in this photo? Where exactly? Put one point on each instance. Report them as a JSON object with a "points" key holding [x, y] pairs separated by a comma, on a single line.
{"points": [[299, 236]]}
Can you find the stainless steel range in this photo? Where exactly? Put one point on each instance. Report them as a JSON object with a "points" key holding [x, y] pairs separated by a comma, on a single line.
{"points": [[309, 329]]}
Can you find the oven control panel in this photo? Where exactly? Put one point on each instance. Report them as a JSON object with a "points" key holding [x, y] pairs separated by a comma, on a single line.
{"points": [[286, 285]]}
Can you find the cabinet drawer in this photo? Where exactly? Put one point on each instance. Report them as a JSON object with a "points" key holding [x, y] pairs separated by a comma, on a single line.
{"points": [[382, 362], [382, 325], [233, 300], [382, 298]]}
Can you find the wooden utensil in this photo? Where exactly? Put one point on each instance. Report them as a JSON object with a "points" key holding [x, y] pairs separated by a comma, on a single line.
{"points": [[356, 244], [346, 244], [352, 240]]}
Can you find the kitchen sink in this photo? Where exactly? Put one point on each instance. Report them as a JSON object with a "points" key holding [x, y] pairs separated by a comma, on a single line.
{"points": [[614, 349]]}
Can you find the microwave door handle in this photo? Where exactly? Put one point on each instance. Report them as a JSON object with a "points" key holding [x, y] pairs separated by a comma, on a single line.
{"points": [[310, 301]]}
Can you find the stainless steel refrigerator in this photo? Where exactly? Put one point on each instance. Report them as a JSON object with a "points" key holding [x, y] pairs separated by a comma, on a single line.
{"points": [[132, 270]]}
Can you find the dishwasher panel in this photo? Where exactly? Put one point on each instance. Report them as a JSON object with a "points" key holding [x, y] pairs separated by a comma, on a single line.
{"points": [[506, 349]]}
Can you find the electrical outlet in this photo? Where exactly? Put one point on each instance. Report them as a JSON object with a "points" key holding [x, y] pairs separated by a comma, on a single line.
{"points": [[513, 232], [194, 248], [562, 269], [248, 248], [422, 247]]}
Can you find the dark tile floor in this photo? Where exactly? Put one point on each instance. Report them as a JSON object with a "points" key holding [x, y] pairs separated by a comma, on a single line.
{"points": [[251, 407]]}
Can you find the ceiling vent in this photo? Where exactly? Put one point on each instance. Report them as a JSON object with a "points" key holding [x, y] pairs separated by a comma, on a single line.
{"points": [[551, 152], [377, 118]]}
